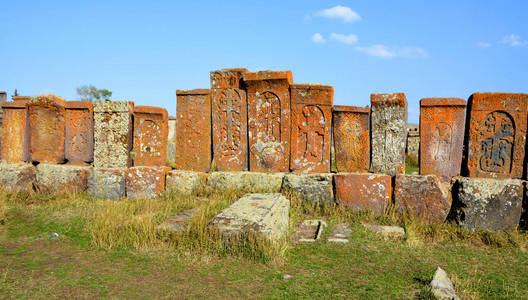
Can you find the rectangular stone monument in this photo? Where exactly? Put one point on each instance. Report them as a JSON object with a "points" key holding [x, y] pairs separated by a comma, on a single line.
{"points": [[193, 130], [351, 138], [47, 115], [442, 125], [15, 132], [497, 135], [113, 134], [269, 120], [79, 132], [388, 120], [311, 133], [20, 98], [172, 129], [108, 183], [3, 98], [145, 182], [363, 191], [229, 108], [150, 135], [17, 177], [66, 178]]}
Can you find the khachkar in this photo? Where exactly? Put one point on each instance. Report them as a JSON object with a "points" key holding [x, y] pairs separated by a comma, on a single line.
{"points": [[229, 109], [15, 132], [388, 133], [268, 97], [352, 138], [497, 135], [193, 130], [150, 135], [113, 134], [79, 132], [442, 123]]}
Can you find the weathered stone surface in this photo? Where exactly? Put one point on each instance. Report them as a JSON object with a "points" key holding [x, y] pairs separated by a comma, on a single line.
{"points": [[246, 181], [422, 196], [193, 130], [413, 145], [113, 134], [171, 153], [487, 203], [442, 287], [497, 135], [309, 231], [3, 98], [79, 132], [20, 98], [442, 125], [341, 231], [15, 132], [17, 177], [150, 136], [268, 97], [363, 191], [352, 138], [109, 183], [261, 214], [316, 188], [387, 231], [184, 182], [229, 108], [388, 119], [179, 222], [55, 178], [145, 182], [172, 129], [47, 114]]}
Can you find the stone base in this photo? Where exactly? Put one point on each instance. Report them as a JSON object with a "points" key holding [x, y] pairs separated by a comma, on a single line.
{"points": [[251, 182], [316, 188], [261, 214], [17, 177], [145, 182], [487, 203], [184, 182], [54, 178], [363, 191], [107, 183]]}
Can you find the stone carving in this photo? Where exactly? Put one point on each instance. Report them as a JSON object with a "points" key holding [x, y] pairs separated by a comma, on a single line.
{"points": [[15, 132], [79, 132], [352, 138], [365, 191], [150, 135]]}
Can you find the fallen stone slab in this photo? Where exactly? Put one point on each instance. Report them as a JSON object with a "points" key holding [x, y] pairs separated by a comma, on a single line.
{"points": [[145, 182], [387, 231], [338, 240], [17, 177], [341, 231], [266, 215], [492, 204], [109, 183], [309, 231], [54, 178], [184, 182], [251, 182], [363, 191], [315, 188], [442, 287], [179, 222]]}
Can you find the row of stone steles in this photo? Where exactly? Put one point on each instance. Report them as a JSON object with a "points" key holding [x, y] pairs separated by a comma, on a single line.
{"points": [[108, 134]]}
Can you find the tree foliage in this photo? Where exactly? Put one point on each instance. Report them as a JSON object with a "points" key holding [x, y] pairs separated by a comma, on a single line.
{"points": [[91, 93]]}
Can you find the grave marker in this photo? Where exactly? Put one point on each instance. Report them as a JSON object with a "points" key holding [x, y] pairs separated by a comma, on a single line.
{"points": [[79, 132], [150, 136], [352, 138]]}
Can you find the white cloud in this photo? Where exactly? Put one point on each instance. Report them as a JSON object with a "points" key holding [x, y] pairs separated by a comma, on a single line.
{"points": [[483, 44], [411, 52], [339, 12], [383, 51], [514, 40], [318, 38], [343, 38]]}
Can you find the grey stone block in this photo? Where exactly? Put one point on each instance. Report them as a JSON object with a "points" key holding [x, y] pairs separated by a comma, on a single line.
{"points": [[109, 183], [246, 181], [184, 182], [17, 177], [54, 178], [316, 188]]}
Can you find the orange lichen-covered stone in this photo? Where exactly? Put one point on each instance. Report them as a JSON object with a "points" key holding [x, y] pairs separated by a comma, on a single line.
{"points": [[47, 128], [193, 130], [442, 125], [150, 135], [311, 135], [15, 132], [269, 120], [497, 135], [79, 132], [352, 138], [363, 191], [145, 182], [229, 109], [20, 98]]}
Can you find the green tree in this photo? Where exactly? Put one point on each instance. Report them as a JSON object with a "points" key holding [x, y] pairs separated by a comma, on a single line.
{"points": [[91, 93]]}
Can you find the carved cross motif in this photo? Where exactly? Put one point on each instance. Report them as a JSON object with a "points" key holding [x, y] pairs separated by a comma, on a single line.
{"points": [[312, 128], [497, 143], [231, 112], [272, 115]]}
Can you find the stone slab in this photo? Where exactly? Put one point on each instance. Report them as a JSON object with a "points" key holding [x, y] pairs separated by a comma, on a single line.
{"points": [[487, 203], [351, 138], [185, 182], [309, 231], [193, 130], [363, 191], [422, 196], [15, 133], [20, 98], [311, 135], [145, 182], [61, 178], [17, 176], [150, 136], [388, 121], [179, 222], [113, 134], [268, 96], [442, 287], [172, 129], [246, 181], [314, 188], [442, 126], [413, 146], [109, 183], [387, 231], [266, 215], [79, 132]]}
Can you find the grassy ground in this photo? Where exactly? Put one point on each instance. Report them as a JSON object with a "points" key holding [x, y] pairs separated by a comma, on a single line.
{"points": [[113, 250]]}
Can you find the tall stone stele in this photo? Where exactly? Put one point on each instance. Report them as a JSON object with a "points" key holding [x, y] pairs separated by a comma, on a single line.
{"points": [[47, 115], [442, 125], [193, 130], [15, 132], [229, 109], [150, 135], [269, 120], [113, 134], [496, 135], [3, 98], [311, 136], [388, 119], [79, 132]]}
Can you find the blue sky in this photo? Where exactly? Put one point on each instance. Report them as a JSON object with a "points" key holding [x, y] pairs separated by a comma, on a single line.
{"points": [[144, 51]]}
